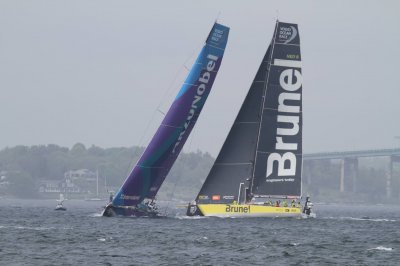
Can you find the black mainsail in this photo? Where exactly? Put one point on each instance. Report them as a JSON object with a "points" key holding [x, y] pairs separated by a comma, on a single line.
{"points": [[278, 158], [262, 155]]}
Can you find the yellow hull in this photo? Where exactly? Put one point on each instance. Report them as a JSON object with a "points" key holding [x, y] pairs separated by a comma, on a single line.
{"points": [[247, 210]]}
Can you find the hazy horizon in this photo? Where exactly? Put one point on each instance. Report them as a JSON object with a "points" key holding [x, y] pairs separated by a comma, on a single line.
{"points": [[96, 72]]}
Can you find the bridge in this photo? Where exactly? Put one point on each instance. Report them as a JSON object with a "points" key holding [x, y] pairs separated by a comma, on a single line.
{"points": [[352, 154], [349, 164]]}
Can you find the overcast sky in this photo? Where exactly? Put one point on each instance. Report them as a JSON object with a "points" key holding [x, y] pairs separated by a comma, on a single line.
{"points": [[96, 71]]}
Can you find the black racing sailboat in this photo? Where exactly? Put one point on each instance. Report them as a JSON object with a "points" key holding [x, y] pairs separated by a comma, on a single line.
{"points": [[258, 170]]}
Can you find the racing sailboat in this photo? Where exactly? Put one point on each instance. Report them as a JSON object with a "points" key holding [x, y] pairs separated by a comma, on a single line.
{"points": [[258, 170], [137, 195]]}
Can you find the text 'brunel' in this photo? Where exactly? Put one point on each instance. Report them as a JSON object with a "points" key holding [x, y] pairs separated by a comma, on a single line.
{"points": [[290, 81], [203, 80]]}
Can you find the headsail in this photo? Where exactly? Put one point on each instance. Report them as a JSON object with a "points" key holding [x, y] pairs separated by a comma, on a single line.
{"points": [[150, 171], [268, 126], [235, 161]]}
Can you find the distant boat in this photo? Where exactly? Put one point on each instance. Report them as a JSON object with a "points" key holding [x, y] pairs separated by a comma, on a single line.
{"points": [[258, 170], [137, 195], [60, 206]]}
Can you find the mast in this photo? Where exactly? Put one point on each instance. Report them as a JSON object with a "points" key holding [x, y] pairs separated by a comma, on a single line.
{"points": [[97, 183], [271, 47]]}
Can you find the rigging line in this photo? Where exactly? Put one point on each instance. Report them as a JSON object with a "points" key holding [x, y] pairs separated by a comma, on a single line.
{"points": [[158, 109], [263, 103], [167, 93], [184, 67], [191, 136]]}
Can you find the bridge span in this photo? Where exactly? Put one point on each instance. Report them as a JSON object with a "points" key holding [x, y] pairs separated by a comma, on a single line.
{"points": [[349, 164]]}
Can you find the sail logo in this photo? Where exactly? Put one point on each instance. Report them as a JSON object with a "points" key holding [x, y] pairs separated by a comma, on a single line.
{"points": [[217, 35], [290, 81], [228, 197], [128, 197], [287, 34], [242, 209], [216, 197], [203, 81]]}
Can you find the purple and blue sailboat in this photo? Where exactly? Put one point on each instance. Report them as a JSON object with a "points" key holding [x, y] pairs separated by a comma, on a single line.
{"points": [[137, 195]]}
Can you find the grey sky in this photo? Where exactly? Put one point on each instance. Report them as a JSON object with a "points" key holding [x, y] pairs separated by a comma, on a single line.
{"points": [[95, 71]]}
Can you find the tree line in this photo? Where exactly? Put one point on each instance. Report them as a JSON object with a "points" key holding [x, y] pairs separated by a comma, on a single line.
{"points": [[24, 166]]}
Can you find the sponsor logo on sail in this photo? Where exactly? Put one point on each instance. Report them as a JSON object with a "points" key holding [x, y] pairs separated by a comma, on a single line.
{"points": [[216, 197], [203, 81], [237, 209], [286, 34], [290, 82], [217, 35], [228, 197], [128, 197], [203, 197]]}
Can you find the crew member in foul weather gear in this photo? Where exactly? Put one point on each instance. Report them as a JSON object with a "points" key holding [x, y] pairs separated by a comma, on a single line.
{"points": [[284, 204], [111, 197]]}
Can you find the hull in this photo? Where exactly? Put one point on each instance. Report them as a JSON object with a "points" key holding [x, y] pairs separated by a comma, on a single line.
{"points": [[112, 211], [247, 210]]}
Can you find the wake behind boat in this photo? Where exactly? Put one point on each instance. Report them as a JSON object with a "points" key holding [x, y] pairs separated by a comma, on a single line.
{"points": [[137, 195], [258, 170]]}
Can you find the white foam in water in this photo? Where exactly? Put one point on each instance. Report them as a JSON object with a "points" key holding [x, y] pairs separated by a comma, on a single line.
{"points": [[101, 239], [33, 228], [184, 217], [381, 248], [361, 219], [369, 219]]}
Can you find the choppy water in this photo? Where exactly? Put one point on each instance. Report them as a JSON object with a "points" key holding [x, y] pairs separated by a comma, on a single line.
{"points": [[32, 233]]}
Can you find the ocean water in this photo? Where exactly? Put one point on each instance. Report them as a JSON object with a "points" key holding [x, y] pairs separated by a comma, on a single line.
{"points": [[32, 233]]}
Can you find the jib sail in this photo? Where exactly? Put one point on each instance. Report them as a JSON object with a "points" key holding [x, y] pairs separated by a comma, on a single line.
{"points": [[235, 161], [150, 171]]}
